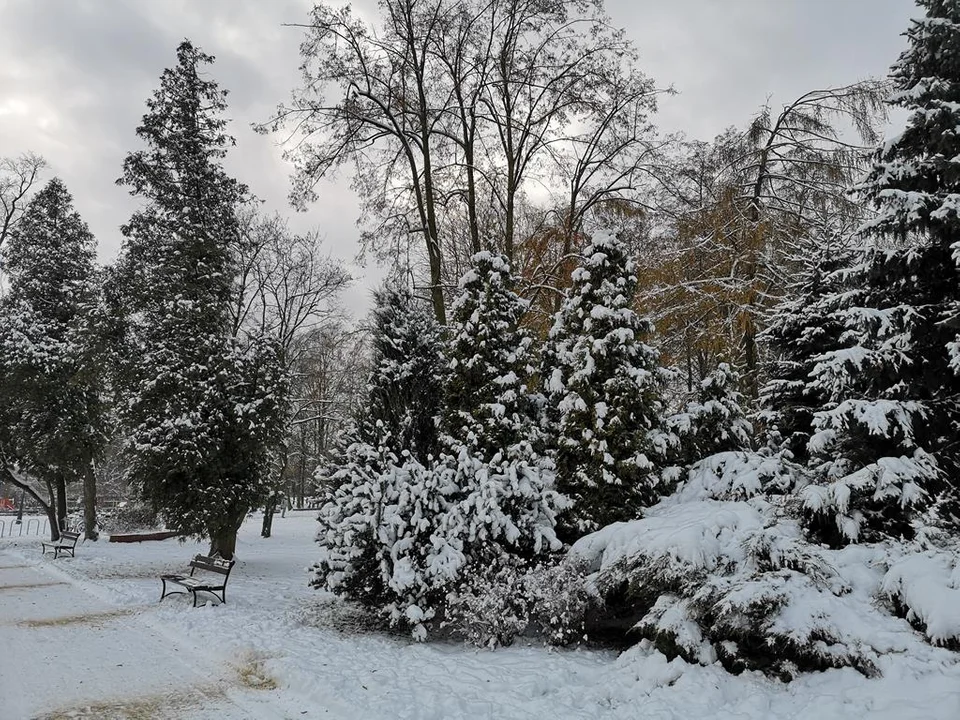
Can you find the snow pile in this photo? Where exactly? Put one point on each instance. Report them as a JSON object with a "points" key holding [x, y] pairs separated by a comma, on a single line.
{"points": [[925, 586], [735, 582]]}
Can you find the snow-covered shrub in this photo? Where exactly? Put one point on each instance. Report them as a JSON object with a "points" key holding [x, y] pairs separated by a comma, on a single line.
{"points": [[400, 540], [378, 537], [925, 588], [738, 475], [560, 599], [731, 581], [547, 600], [490, 607]]}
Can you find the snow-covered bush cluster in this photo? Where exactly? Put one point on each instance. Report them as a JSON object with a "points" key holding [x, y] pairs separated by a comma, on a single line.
{"points": [[496, 604], [409, 517]]}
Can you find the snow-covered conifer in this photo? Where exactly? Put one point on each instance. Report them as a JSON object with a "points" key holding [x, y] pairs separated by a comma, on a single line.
{"points": [[714, 422], [602, 384], [506, 502], [487, 405], [205, 408], [867, 375], [404, 389], [378, 486], [53, 408]]}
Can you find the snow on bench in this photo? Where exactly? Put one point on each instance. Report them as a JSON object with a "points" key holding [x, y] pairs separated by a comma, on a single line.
{"points": [[194, 584], [66, 543]]}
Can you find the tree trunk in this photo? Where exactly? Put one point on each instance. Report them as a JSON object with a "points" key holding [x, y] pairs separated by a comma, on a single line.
{"points": [[223, 542], [48, 507], [61, 502], [52, 519], [89, 503], [268, 511]]}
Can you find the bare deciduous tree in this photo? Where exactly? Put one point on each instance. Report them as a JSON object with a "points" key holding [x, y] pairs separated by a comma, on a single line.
{"points": [[749, 210], [287, 289], [456, 114], [17, 177]]}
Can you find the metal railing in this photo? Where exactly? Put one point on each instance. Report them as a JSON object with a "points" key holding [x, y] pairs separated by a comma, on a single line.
{"points": [[30, 526]]}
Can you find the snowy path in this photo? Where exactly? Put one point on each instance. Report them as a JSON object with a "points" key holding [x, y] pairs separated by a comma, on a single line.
{"points": [[67, 653]]}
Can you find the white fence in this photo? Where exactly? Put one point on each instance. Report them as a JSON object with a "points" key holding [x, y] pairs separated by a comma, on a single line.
{"points": [[9, 527]]}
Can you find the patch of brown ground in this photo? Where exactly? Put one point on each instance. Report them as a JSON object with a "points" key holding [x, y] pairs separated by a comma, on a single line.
{"points": [[87, 619], [25, 586], [147, 707]]}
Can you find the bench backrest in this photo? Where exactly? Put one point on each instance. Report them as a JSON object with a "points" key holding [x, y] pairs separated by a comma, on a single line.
{"points": [[67, 536], [211, 564]]}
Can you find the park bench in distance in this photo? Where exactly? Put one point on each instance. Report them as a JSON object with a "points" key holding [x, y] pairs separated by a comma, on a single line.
{"points": [[66, 543], [195, 584]]}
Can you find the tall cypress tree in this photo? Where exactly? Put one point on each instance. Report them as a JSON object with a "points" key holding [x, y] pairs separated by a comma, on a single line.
{"points": [[53, 411], [206, 409], [603, 393]]}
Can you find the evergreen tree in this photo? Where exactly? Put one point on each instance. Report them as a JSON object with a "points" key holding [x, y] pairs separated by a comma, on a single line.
{"points": [[487, 404], [797, 333], [603, 394], [401, 527], [868, 375], [53, 410], [380, 503], [404, 391], [714, 422], [507, 505], [206, 409]]}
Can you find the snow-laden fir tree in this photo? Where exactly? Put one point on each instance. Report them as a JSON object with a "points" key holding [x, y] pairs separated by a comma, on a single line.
{"points": [[404, 391], [602, 384], [487, 406], [797, 333], [53, 406], [507, 503], [379, 500], [874, 382], [714, 421], [205, 408]]}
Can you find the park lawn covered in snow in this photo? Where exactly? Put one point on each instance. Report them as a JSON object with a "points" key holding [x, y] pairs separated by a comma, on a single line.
{"points": [[283, 649]]}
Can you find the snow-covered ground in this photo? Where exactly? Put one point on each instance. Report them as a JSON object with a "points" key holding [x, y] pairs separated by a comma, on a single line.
{"points": [[85, 637]]}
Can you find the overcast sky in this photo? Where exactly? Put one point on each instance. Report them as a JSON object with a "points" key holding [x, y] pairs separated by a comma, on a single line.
{"points": [[74, 75]]}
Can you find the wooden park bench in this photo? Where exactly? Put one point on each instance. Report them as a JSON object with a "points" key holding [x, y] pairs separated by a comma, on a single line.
{"points": [[195, 584], [66, 543]]}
